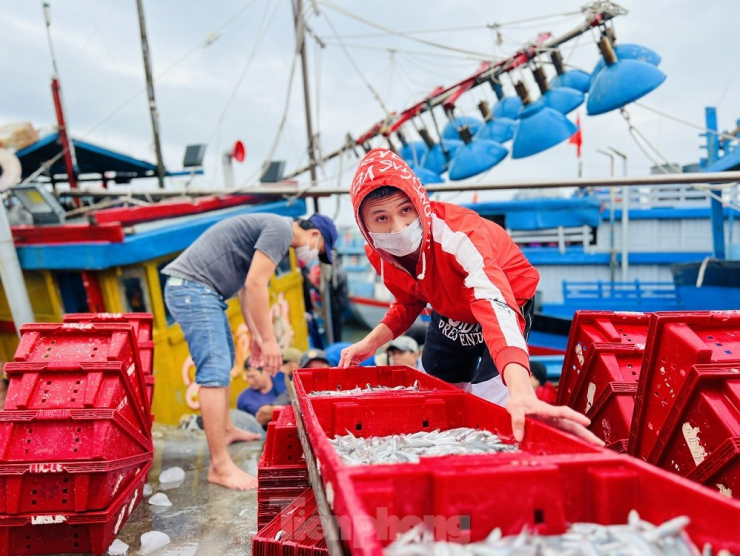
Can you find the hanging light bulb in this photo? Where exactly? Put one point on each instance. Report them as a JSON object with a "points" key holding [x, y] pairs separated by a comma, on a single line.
{"points": [[450, 129], [620, 82], [540, 127], [575, 78], [425, 176], [562, 99], [476, 156], [439, 154], [413, 152], [506, 107], [495, 129]]}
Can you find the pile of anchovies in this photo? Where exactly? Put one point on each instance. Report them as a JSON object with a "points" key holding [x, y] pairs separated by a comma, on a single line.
{"points": [[408, 448], [637, 538], [368, 389]]}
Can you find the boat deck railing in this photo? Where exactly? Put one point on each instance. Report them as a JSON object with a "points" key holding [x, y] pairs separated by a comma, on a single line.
{"points": [[635, 290], [561, 237]]}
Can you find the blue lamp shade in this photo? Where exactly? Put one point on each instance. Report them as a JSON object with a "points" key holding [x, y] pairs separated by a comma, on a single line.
{"points": [[499, 130], [619, 84], [508, 107], [563, 99], [450, 129], [414, 152], [539, 129], [425, 176], [630, 52], [574, 79], [475, 158], [436, 161]]}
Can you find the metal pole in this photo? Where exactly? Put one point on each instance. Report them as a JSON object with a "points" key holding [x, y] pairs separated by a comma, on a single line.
{"points": [[150, 92], [12, 276], [626, 191], [612, 246], [278, 190], [300, 38], [717, 214]]}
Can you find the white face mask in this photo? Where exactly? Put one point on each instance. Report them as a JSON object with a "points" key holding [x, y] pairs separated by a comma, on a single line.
{"points": [[305, 254], [400, 243]]}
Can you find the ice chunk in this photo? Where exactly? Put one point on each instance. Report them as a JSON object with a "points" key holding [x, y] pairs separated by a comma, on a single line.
{"points": [[118, 548], [153, 540], [160, 499], [147, 490], [172, 475]]}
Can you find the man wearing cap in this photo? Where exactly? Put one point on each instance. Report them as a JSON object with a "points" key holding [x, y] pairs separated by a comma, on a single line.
{"points": [[314, 359], [403, 351], [276, 390], [238, 256]]}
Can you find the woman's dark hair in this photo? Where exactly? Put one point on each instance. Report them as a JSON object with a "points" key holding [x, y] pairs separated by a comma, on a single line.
{"points": [[380, 193]]}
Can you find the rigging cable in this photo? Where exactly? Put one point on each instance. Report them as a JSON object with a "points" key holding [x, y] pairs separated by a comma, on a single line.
{"points": [[210, 38], [261, 33], [402, 34]]}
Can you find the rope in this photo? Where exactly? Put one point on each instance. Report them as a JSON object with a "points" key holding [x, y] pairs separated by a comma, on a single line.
{"points": [[375, 93], [261, 32], [329, 42], [707, 189], [202, 44], [687, 123], [401, 34]]}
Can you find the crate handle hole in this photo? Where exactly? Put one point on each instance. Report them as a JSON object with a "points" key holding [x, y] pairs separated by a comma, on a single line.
{"points": [[539, 516], [425, 423], [358, 426]]}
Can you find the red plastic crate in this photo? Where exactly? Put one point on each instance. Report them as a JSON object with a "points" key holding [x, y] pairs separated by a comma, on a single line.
{"points": [[300, 526], [544, 494], [149, 381], [597, 327], [606, 364], [142, 322], [84, 343], [368, 416], [282, 445], [61, 385], [678, 341], [620, 446], [704, 415], [721, 469], [307, 381], [70, 486], [55, 435], [70, 533], [611, 414], [146, 356]]}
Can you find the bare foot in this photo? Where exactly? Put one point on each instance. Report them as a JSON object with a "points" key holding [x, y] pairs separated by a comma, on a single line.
{"points": [[230, 476], [238, 435]]}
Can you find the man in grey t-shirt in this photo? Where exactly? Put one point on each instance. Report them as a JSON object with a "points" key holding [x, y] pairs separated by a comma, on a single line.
{"points": [[237, 256]]}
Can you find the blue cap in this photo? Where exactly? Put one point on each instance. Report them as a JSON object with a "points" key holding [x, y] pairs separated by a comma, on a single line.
{"points": [[328, 230]]}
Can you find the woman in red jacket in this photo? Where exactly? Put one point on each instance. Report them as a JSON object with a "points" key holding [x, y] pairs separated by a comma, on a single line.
{"points": [[478, 283]]}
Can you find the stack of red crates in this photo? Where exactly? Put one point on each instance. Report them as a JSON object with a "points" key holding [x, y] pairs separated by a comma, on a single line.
{"points": [[687, 413], [296, 531], [601, 370], [75, 434], [282, 472], [553, 480]]}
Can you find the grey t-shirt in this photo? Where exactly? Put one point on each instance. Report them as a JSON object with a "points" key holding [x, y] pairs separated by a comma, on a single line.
{"points": [[221, 257]]}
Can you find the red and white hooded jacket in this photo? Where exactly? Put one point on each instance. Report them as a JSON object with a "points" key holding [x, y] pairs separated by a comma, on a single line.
{"points": [[469, 269]]}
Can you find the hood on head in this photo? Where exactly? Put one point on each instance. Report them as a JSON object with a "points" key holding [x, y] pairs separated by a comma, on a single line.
{"points": [[382, 167]]}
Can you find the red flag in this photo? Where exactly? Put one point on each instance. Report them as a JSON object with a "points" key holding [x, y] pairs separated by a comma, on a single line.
{"points": [[576, 139], [475, 196]]}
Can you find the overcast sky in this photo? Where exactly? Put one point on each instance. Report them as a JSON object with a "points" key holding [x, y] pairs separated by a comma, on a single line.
{"points": [[98, 53]]}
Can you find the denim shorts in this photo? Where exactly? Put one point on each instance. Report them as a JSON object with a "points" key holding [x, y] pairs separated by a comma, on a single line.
{"points": [[200, 312]]}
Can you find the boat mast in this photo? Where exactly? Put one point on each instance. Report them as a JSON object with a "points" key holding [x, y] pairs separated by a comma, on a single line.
{"points": [[70, 160], [150, 91], [300, 37]]}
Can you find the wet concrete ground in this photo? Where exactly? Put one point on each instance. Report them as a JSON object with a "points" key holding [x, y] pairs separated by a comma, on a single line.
{"points": [[204, 519]]}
